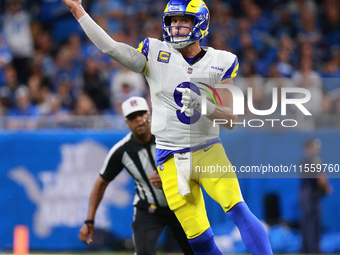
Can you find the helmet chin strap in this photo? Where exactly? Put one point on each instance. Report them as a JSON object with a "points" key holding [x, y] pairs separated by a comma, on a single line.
{"points": [[180, 45]]}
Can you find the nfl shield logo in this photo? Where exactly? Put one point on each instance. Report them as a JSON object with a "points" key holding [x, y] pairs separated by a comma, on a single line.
{"points": [[133, 103], [189, 70]]}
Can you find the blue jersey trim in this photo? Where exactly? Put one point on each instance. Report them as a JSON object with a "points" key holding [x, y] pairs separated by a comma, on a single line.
{"points": [[228, 73], [145, 49], [162, 155], [192, 60]]}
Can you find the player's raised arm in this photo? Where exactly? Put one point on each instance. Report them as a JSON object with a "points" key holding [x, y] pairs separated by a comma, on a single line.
{"points": [[121, 52]]}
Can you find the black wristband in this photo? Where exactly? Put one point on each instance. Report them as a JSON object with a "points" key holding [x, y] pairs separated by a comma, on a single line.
{"points": [[89, 222]]}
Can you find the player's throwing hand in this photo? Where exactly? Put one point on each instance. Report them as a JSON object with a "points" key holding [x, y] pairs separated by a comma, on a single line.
{"points": [[75, 7], [71, 3]]}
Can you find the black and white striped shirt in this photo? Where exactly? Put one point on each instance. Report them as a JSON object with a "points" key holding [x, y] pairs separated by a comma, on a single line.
{"points": [[139, 161]]}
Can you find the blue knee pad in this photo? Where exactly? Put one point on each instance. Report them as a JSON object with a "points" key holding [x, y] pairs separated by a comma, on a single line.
{"points": [[205, 244]]}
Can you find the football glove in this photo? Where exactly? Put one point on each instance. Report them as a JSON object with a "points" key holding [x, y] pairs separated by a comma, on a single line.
{"points": [[191, 100]]}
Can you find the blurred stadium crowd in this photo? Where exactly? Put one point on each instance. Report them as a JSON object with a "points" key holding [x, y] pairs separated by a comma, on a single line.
{"points": [[49, 68]]}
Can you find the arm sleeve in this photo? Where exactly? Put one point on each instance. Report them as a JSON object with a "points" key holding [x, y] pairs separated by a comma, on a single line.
{"points": [[124, 54]]}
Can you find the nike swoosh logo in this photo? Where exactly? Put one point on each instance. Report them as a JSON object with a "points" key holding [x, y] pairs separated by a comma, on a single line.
{"points": [[206, 149]]}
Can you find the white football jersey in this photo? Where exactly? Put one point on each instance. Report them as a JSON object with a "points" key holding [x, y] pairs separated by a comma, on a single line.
{"points": [[167, 70]]}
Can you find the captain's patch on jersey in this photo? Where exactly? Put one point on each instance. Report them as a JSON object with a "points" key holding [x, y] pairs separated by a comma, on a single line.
{"points": [[163, 56]]}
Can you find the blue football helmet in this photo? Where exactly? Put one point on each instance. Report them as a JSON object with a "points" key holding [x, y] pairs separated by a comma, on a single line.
{"points": [[195, 8]]}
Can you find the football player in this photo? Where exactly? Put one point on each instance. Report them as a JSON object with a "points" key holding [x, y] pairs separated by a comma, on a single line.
{"points": [[182, 75]]}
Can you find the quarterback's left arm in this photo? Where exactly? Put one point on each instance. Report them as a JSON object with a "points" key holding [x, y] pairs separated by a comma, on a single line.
{"points": [[224, 111], [220, 111]]}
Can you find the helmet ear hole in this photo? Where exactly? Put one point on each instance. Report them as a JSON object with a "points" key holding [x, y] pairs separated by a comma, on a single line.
{"points": [[167, 20]]}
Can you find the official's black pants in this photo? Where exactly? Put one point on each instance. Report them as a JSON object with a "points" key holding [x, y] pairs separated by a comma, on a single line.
{"points": [[147, 227]]}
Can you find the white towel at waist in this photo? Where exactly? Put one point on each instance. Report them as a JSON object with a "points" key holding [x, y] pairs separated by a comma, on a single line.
{"points": [[183, 162]]}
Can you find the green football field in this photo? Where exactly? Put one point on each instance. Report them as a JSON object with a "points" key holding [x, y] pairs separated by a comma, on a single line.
{"points": [[91, 253], [123, 253]]}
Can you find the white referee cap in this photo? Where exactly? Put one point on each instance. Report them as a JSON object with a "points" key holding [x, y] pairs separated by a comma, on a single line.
{"points": [[134, 104]]}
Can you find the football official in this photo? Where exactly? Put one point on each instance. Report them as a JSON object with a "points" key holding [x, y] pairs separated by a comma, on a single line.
{"points": [[182, 75], [136, 153]]}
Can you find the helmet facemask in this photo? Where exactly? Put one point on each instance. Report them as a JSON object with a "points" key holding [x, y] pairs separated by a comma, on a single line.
{"points": [[178, 41], [200, 23]]}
